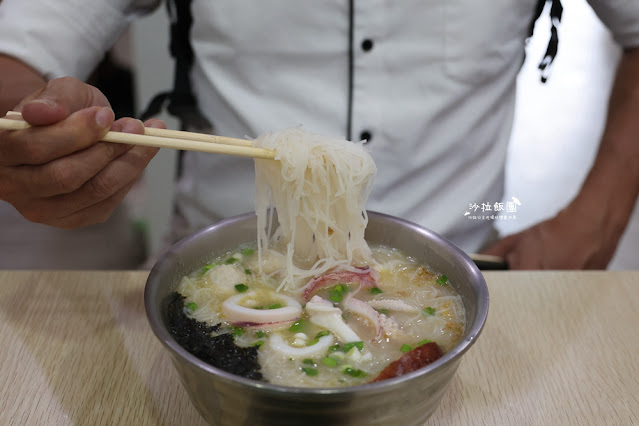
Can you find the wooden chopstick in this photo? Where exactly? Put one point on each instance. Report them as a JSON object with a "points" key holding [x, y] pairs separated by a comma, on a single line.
{"points": [[174, 139]]}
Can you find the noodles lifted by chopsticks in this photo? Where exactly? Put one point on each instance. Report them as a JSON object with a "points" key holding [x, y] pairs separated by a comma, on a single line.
{"points": [[319, 188]]}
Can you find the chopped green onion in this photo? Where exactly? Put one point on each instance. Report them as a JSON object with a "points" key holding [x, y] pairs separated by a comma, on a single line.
{"points": [[308, 361], [260, 333], [275, 306], [296, 326], [191, 306], [429, 311], [342, 287], [334, 348], [237, 331], [442, 280], [375, 290], [310, 371], [336, 296], [383, 311], [241, 288], [405, 348], [322, 334], [423, 342], [351, 345], [248, 251], [230, 260], [337, 293], [354, 372], [330, 362], [208, 267], [259, 344], [247, 271], [312, 342]]}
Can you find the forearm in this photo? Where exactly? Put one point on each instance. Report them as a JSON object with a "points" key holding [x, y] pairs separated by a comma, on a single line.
{"points": [[585, 234], [17, 80], [610, 190]]}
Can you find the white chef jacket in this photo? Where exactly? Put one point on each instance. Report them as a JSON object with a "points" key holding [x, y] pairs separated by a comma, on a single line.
{"points": [[433, 89]]}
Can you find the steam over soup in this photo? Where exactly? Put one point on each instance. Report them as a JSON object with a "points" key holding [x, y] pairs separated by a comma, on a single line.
{"points": [[310, 302]]}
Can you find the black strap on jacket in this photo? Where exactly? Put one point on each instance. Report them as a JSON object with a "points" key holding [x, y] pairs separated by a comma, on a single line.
{"points": [[181, 100], [556, 11]]}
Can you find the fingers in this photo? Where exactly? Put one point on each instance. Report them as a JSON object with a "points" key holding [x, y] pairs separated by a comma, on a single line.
{"points": [[101, 194], [525, 260], [97, 213], [514, 249], [502, 247], [101, 178], [66, 174], [155, 123], [130, 166], [57, 172], [61, 176], [58, 99], [117, 176], [42, 144], [81, 188]]}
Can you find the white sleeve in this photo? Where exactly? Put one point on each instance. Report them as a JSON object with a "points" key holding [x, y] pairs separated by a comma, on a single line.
{"points": [[621, 17], [64, 38]]}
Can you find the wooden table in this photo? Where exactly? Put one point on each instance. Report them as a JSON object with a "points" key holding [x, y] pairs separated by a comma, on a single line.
{"points": [[558, 348]]}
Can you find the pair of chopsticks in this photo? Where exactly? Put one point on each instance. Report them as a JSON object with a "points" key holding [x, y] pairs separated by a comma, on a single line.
{"points": [[162, 138]]}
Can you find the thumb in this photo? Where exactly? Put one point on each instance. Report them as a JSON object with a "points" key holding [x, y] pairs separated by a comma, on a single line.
{"points": [[59, 99]]}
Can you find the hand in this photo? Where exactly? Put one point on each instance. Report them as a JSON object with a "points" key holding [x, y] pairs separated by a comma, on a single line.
{"points": [[566, 241], [57, 172]]}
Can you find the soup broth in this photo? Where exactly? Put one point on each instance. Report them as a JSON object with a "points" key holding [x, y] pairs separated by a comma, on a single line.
{"points": [[341, 328]]}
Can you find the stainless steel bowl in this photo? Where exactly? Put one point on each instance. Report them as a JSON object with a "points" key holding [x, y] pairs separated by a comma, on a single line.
{"points": [[226, 399]]}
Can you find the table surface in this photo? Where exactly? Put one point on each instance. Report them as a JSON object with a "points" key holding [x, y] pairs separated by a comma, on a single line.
{"points": [[558, 348]]}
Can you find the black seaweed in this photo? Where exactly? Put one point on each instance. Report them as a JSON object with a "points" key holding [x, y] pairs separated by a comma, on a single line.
{"points": [[219, 351]]}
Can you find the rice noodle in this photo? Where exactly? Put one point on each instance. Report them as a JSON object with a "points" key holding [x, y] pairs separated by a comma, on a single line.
{"points": [[319, 187]]}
